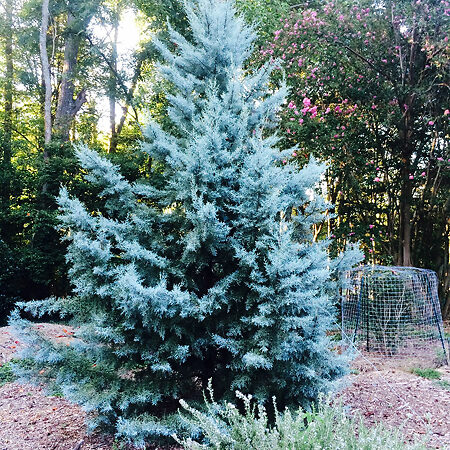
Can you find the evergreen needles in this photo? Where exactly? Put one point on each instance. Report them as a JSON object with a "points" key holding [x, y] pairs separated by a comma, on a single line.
{"points": [[211, 272]]}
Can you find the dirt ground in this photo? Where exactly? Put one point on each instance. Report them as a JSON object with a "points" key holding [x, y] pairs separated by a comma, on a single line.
{"points": [[403, 400], [381, 392]]}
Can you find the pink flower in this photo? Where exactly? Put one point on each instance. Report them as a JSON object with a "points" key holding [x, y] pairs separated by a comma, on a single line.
{"points": [[300, 121], [374, 106], [307, 102], [378, 168], [411, 177], [423, 174], [291, 105], [338, 109], [284, 161], [446, 112], [371, 226], [370, 250], [430, 122], [377, 179], [294, 154], [327, 110]]}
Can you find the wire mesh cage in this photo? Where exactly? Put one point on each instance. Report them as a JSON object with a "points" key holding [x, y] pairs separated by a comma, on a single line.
{"points": [[393, 311]]}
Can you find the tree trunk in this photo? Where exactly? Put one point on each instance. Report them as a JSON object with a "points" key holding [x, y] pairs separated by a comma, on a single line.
{"points": [[129, 99], [68, 106], [407, 150], [46, 76], [113, 84], [405, 220], [5, 181]]}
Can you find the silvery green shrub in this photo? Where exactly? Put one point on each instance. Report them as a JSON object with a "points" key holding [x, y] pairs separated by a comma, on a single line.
{"points": [[327, 427]]}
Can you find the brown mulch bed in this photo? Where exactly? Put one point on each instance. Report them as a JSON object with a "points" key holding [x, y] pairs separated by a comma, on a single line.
{"points": [[403, 400], [380, 391], [30, 420]]}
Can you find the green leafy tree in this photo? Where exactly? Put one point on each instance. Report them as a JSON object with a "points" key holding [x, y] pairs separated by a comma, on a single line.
{"points": [[214, 274], [36, 158], [369, 93], [267, 14]]}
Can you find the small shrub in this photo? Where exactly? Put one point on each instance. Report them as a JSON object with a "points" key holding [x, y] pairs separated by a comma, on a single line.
{"points": [[326, 427], [6, 374], [430, 374]]}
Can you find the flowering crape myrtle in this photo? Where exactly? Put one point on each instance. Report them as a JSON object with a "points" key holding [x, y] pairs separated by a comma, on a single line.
{"points": [[369, 93], [211, 276]]}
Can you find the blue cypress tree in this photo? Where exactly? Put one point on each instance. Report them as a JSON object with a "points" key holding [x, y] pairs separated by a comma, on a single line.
{"points": [[212, 275]]}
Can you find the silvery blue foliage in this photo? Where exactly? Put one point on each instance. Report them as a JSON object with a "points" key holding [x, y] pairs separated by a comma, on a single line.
{"points": [[214, 275]]}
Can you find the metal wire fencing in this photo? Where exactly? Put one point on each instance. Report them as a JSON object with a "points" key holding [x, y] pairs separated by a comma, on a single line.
{"points": [[393, 311]]}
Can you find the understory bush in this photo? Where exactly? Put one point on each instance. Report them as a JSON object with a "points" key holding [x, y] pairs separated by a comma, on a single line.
{"points": [[326, 427]]}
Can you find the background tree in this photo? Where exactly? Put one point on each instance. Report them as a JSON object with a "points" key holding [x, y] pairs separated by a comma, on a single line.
{"points": [[36, 159], [370, 94], [6, 153]]}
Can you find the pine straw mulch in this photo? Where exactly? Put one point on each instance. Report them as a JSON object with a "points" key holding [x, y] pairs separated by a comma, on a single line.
{"points": [[386, 393]]}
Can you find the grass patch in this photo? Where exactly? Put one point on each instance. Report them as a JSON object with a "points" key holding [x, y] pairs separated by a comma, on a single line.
{"points": [[444, 384], [430, 374], [55, 391], [6, 374]]}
